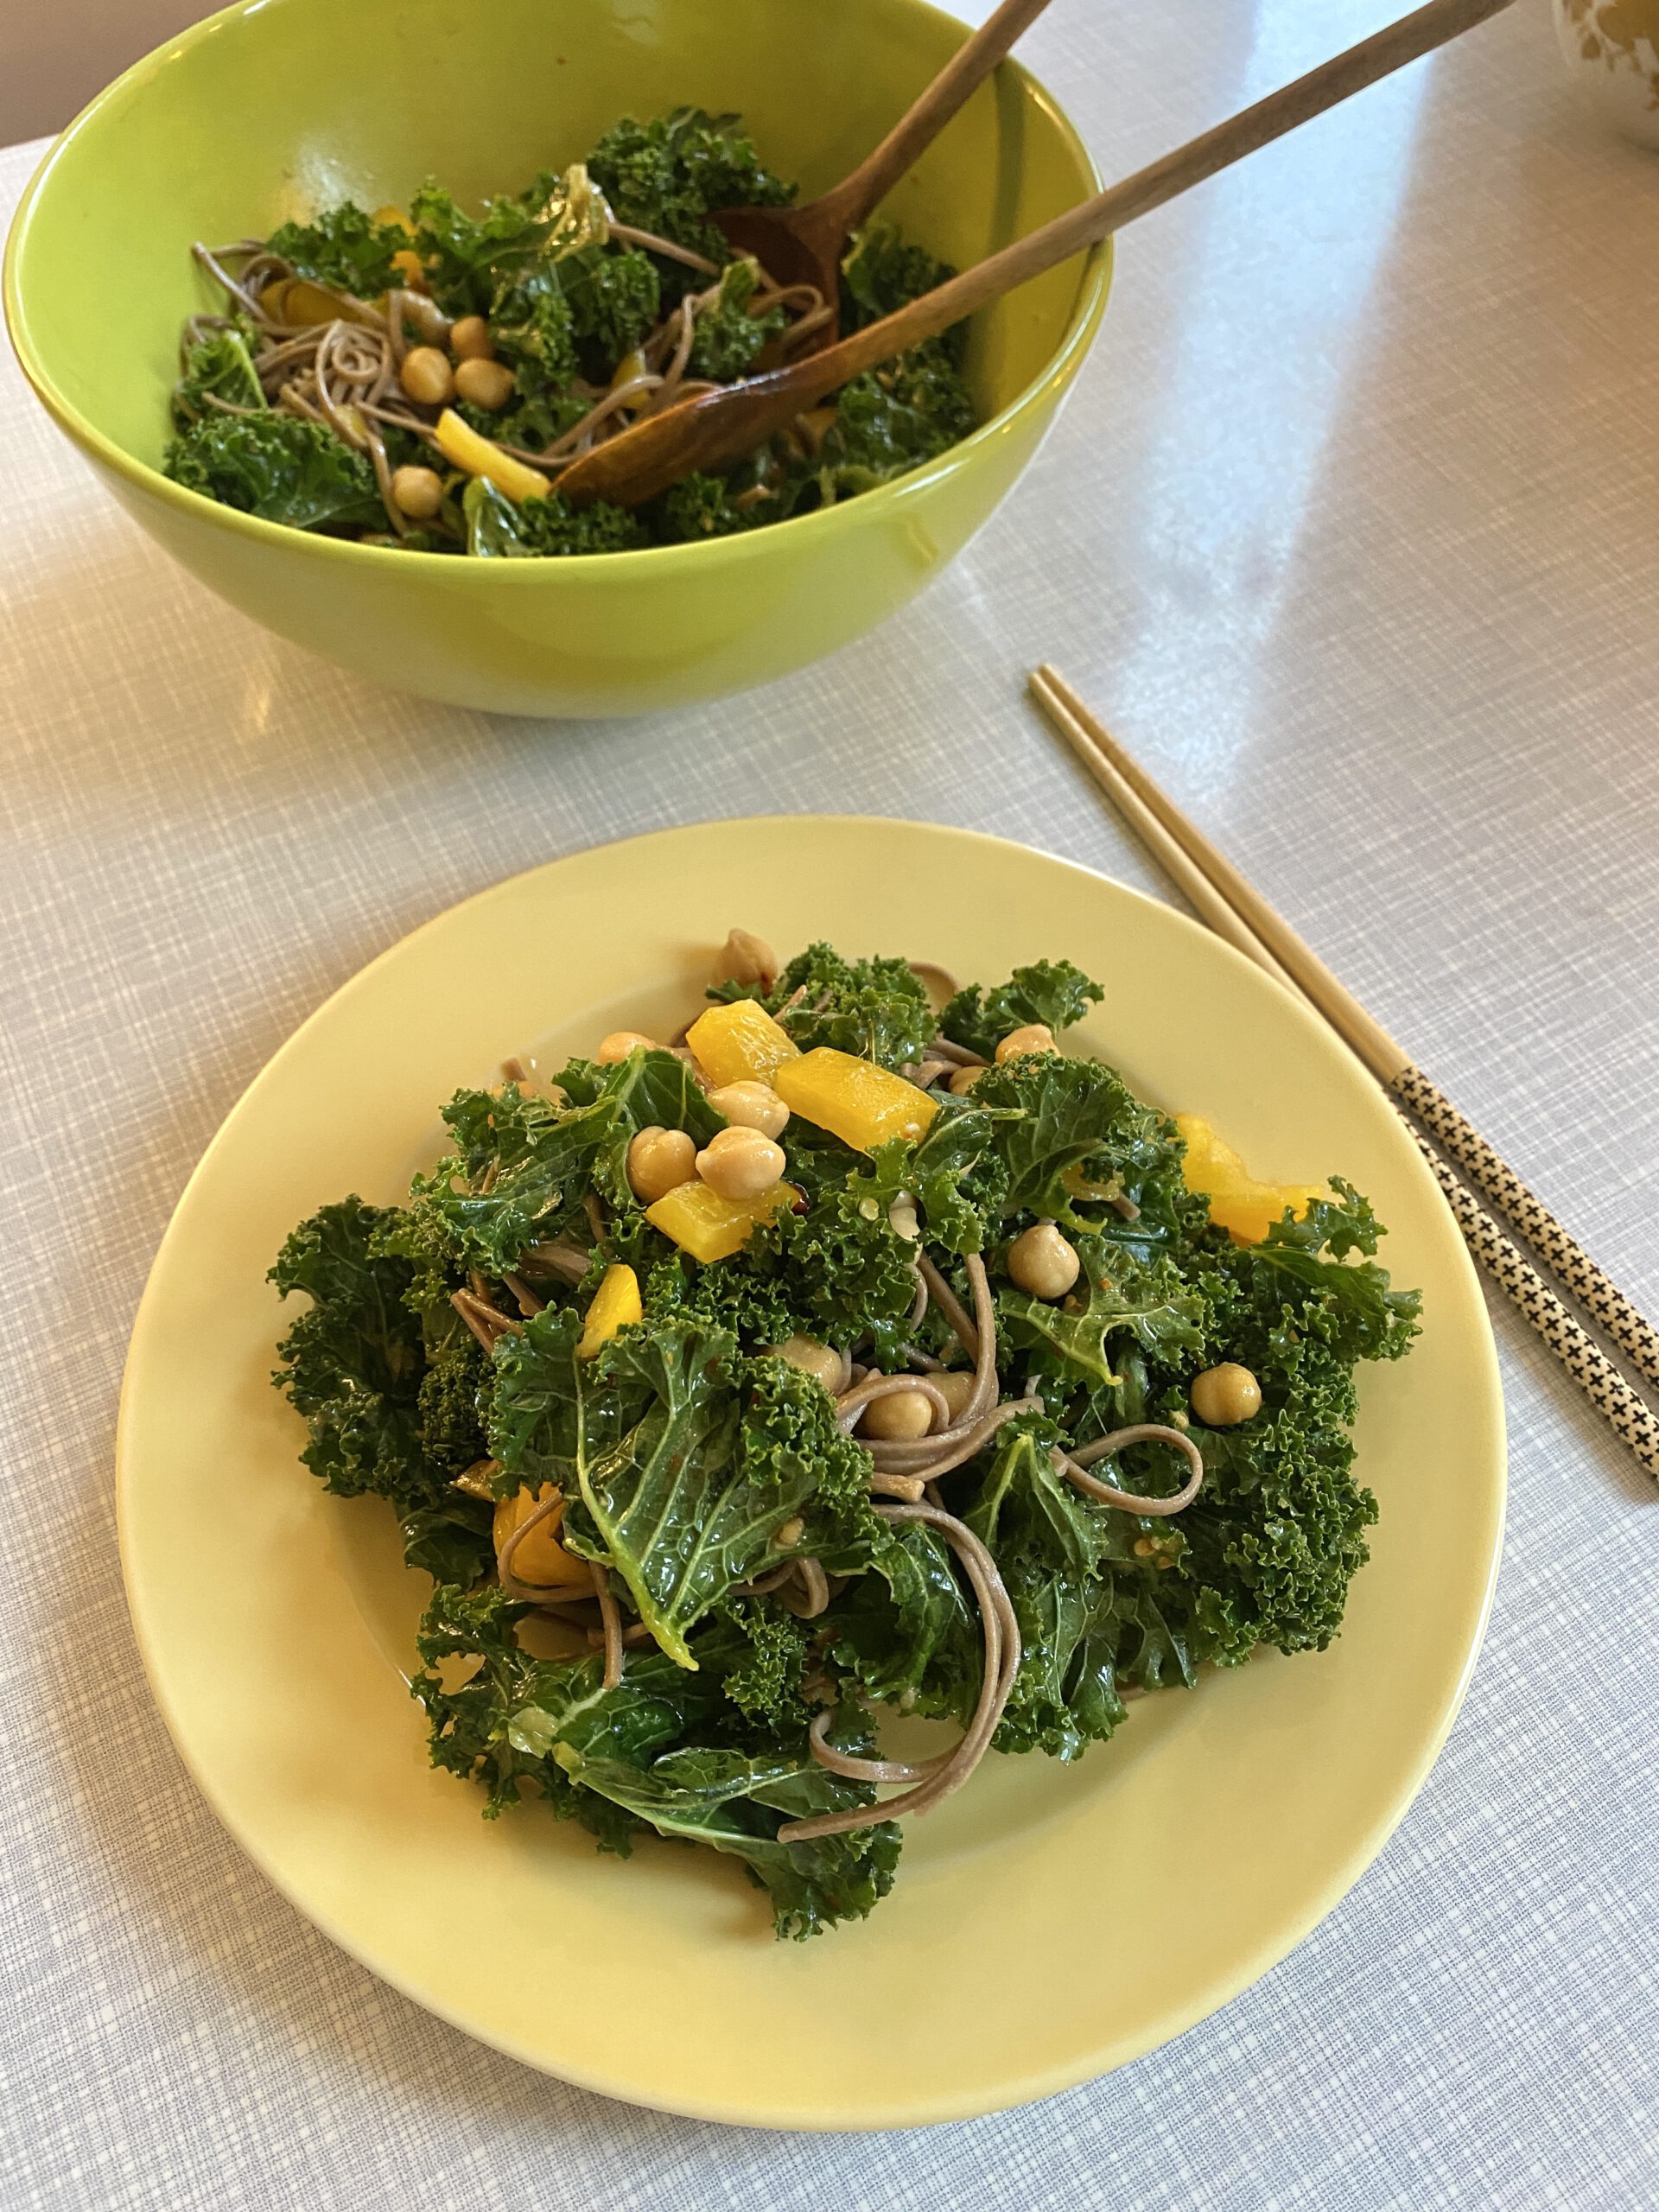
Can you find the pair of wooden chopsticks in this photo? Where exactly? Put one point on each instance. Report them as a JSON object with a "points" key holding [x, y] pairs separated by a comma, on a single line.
{"points": [[1224, 900]]}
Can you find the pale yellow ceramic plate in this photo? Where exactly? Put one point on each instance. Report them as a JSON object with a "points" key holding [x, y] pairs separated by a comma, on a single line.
{"points": [[274, 1620]]}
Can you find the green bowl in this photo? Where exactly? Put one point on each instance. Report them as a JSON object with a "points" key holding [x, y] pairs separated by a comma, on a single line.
{"points": [[276, 107]]}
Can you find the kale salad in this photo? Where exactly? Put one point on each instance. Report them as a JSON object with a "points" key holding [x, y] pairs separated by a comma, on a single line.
{"points": [[857, 1355], [421, 377]]}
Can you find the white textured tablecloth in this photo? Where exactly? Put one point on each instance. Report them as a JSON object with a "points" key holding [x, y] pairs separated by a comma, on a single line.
{"points": [[1352, 532]]}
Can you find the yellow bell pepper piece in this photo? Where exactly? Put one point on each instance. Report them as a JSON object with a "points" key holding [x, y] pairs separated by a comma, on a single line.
{"points": [[296, 299], [740, 1043], [539, 1557], [1238, 1204], [709, 1227], [863, 1104], [481, 457], [615, 1305]]}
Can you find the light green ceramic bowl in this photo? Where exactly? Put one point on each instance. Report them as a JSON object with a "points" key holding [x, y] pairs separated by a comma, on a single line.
{"points": [[277, 107]]}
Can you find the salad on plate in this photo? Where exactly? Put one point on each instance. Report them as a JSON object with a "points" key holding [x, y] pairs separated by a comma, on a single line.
{"points": [[857, 1358]]}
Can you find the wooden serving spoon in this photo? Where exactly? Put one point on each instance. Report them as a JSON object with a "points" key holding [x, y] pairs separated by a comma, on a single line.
{"points": [[715, 428], [804, 245]]}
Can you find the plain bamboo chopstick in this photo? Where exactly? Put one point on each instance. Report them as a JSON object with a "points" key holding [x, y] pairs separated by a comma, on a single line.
{"points": [[1635, 1336], [1204, 876]]}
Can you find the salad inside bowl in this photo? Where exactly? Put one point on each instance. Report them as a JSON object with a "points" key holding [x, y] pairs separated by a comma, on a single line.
{"points": [[263, 122]]}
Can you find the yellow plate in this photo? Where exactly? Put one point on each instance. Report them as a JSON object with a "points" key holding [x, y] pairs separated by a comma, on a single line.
{"points": [[274, 1619]]}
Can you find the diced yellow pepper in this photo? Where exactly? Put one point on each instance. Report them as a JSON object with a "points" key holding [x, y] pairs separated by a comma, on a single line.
{"points": [[539, 1557], [863, 1104], [615, 1305], [740, 1043], [480, 457], [709, 1227], [1238, 1204]]}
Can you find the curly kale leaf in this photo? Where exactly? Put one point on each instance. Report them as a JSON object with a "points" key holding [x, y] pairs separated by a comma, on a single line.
{"points": [[219, 366], [615, 298], [701, 505], [1314, 1255], [663, 1751], [1071, 1136], [384, 1420], [1052, 992], [729, 339], [687, 1460], [542, 529], [1087, 1601], [902, 1630], [880, 274], [765, 1684], [877, 1008], [534, 333], [669, 175], [278, 467], [893, 419], [1116, 1297], [958, 1177], [344, 247], [468, 256]]}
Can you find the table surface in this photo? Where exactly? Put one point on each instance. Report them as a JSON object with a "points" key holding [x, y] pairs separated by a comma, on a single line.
{"points": [[1351, 532]]}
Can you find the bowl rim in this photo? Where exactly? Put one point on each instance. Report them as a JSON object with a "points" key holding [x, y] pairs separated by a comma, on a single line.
{"points": [[1055, 375]]}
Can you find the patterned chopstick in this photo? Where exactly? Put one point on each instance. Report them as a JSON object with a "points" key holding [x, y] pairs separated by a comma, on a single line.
{"points": [[1627, 1414], [1223, 899], [1602, 1299]]}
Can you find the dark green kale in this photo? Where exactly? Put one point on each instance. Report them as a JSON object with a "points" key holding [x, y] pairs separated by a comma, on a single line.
{"points": [[903, 1631], [668, 176], [540, 529], [383, 1420], [1072, 1139], [343, 247], [701, 505], [1052, 992], [687, 1460], [615, 299], [469, 257], [665, 1750], [729, 339], [279, 468], [880, 274], [893, 419], [767, 1684], [219, 366], [877, 1008]]}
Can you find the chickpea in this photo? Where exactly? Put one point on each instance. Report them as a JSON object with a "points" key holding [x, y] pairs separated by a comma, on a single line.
{"points": [[660, 1160], [958, 1385], [740, 1163], [790, 1535], [751, 1106], [1225, 1394], [1035, 1037], [425, 318], [470, 340], [416, 493], [621, 1042], [483, 384], [1042, 1261], [821, 1362], [745, 958], [426, 377], [902, 1417], [964, 1081]]}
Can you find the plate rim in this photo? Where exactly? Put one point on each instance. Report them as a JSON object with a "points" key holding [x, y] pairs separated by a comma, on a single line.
{"points": [[1257, 1958]]}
